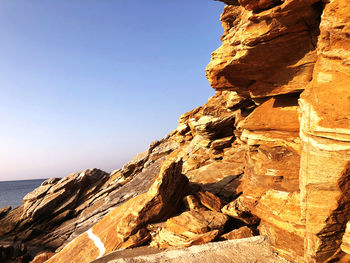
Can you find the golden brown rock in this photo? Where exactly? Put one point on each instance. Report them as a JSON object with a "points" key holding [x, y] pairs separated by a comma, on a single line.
{"points": [[257, 5], [215, 172], [325, 132], [190, 228], [242, 232], [270, 167], [210, 201], [317, 215], [167, 239], [219, 144], [196, 222], [287, 174], [272, 160], [278, 113], [138, 239], [192, 203], [280, 216], [43, 257], [115, 230], [220, 178], [239, 210], [267, 53], [61, 209]]}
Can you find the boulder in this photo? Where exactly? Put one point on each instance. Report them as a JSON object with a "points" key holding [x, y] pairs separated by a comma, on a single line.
{"points": [[210, 201], [196, 222], [239, 210], [139, 238], [242, 232], [220, 144], [190, 228], [192, 203], [220, 177]]}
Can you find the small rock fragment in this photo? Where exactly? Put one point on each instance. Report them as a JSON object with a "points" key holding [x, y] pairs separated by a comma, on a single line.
{"points": [[239, 233], [210, 201]]}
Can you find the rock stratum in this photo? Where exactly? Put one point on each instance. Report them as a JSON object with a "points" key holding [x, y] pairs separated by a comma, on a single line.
{"points": [[268, 154]]}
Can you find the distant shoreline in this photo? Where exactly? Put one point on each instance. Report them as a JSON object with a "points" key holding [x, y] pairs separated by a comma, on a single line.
{"points": [[38, 179], [12, 192]]}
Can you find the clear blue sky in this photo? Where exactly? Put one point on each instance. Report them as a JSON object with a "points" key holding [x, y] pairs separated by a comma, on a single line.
{"points": [[90, 83]]}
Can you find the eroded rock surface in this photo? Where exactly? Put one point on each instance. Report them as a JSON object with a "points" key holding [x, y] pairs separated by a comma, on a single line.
{"points": [[243, 232], [297, 160], [190, 228], [269, 152], [269, 51], [325, 132], [61, 209], [124, 222]]}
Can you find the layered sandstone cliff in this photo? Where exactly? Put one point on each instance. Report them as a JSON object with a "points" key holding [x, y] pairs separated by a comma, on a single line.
{"points": [[268, 154], [291, 57]]}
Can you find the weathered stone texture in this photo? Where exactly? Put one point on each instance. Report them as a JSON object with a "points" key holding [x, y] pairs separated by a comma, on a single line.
{"points": [[190, 228], [325, 132], [269, 152], [296, 175], [120, 226], [267, 52]]}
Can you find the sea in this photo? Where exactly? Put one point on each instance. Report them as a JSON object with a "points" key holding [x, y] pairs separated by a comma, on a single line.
{"points": [[12, 192]]}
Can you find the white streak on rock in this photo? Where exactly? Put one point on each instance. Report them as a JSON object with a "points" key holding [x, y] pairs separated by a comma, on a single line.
{"points": [[97, 241]]}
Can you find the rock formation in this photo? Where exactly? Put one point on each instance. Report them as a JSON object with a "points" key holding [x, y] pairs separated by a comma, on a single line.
{"points": [[61, 209], [121, 225], [269, 153], [296, 175], [325, 132]]}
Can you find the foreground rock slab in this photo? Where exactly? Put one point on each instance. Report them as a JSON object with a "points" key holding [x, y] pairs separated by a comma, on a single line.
{"points": [[123, 223], [255, 249], [62, 209]]}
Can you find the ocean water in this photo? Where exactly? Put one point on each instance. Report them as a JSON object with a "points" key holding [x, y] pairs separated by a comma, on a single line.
{"points": [[12, 192]]}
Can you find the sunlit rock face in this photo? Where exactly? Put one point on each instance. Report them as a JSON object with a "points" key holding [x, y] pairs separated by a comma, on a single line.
{"points": [[269, 153], [296, 177], [325, 133], [268, 47], [61, 209], [124, 226]]}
